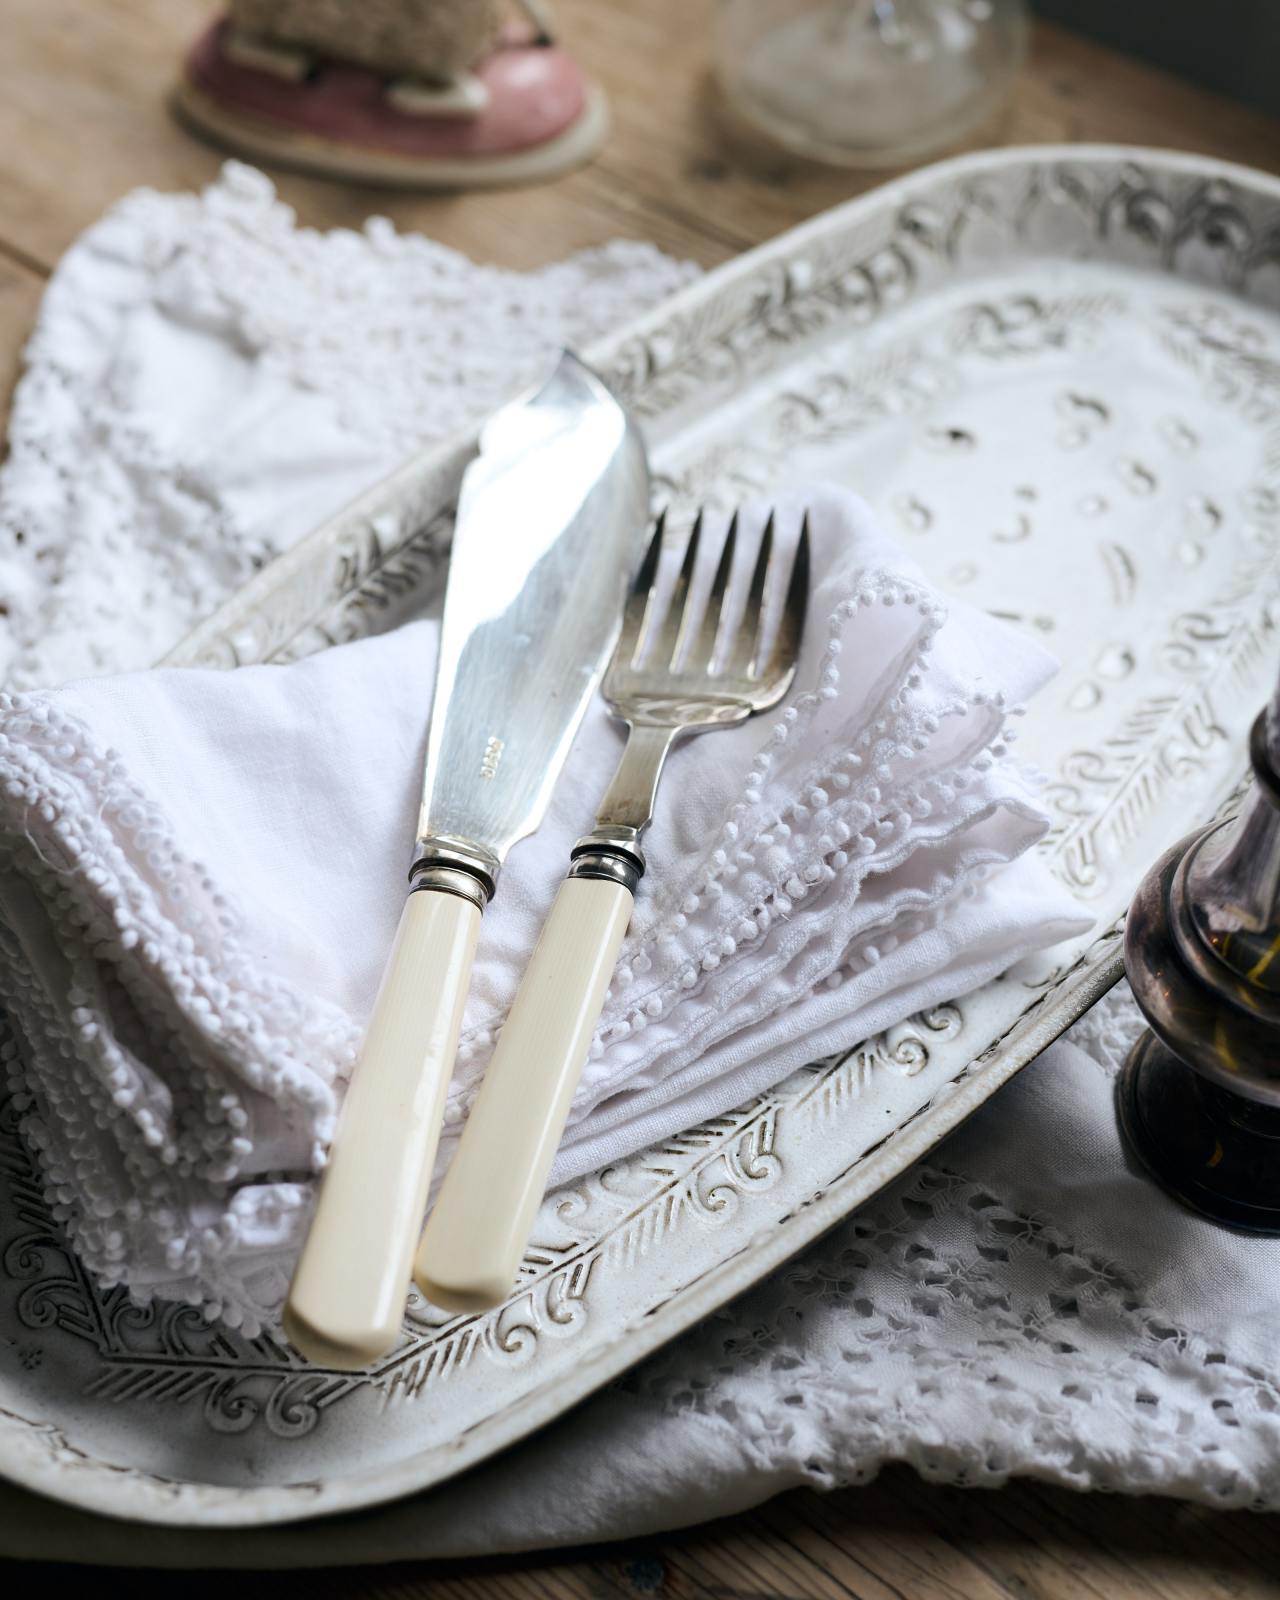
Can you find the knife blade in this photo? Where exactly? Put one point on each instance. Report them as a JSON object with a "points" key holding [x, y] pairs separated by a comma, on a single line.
{"points": [[551, 513]]}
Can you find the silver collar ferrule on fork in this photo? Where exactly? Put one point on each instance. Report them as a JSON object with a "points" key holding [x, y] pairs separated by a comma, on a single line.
{"points": [[612, 849]]}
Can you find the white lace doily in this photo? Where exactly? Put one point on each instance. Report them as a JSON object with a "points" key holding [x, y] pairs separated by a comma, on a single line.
{"points": [[1021, 1302], [1006, 1309], [113, 540]]}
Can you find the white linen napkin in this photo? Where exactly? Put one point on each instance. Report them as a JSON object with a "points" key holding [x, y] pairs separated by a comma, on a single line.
{"points": [[200, 874]]}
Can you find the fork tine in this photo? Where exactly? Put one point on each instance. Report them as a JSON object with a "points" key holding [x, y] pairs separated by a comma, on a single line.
{"points": [[747, 640], [701, 655], [640, 596], [666, 646], [786, 646]]}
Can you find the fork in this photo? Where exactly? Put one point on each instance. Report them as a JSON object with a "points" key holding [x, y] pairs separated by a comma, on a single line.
{"points": [[666, 679]]}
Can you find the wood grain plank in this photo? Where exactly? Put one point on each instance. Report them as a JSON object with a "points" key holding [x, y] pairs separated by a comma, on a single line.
{"points": [[759, 1562], [896, 1539], [671, 140], [838, 1532], [994, 1537], [83, 120], [1146, 1539], [1091, 1547]]}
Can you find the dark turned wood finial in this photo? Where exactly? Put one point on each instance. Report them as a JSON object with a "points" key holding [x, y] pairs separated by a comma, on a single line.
{"points": [[1199, 1096]]}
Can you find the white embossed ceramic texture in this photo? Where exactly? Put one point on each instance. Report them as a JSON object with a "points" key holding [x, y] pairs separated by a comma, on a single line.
{"points": [[1056, 373]]}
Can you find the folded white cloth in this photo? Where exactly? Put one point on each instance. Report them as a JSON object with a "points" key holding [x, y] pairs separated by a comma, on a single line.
{"points": [[200, 873], [208, 380]]}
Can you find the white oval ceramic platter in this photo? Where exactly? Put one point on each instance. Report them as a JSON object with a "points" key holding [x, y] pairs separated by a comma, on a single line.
{"points": [[1056, 374]]}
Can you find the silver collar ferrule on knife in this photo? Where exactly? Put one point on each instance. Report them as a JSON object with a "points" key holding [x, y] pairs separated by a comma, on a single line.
{"points": [[551, 516]]}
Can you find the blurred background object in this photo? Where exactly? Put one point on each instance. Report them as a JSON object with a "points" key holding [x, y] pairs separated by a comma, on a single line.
{"points": [[1229, 45], [868, 83], [429, 39], [427, 94]]}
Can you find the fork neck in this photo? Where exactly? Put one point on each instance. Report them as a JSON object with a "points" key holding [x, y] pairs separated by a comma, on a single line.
{"points": [[612, 848]]}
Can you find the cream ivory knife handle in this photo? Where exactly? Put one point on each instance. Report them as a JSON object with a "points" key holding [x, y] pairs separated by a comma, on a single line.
{"points": [[479, 1226], [346, 1303]]}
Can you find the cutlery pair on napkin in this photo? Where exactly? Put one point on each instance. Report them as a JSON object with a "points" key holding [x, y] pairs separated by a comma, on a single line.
{"points": [[688, 666], [198, 881], [546, 516]]}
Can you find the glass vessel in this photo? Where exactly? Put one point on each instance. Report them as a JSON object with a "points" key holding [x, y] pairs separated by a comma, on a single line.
{"points": [[867, 82], [1199, 1096]]}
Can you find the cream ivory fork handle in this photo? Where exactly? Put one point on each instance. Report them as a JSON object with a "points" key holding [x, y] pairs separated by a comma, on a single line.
{"points": [[480, 1224], [346, 1303]]}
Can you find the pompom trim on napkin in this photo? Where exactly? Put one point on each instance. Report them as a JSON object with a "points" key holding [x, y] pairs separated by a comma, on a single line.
{"points": [[180, 1097]]}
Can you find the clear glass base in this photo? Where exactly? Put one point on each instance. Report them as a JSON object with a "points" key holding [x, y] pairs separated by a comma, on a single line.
{"points": [[868, 82]]}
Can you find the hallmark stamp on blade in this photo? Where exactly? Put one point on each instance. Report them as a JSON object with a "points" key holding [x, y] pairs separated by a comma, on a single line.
{"points": [[493, 749]]}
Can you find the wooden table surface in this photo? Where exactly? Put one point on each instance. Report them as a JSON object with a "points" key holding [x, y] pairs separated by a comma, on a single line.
{"points": [[82, 120]]}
